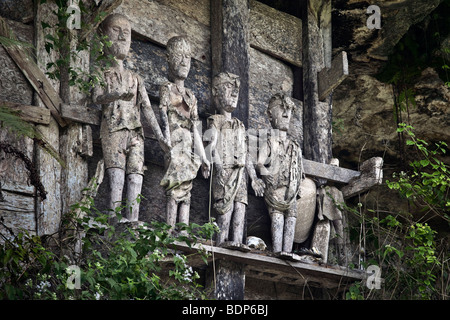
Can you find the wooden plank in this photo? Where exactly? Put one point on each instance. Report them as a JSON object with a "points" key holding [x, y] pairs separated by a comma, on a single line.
{"points": [[329, 172], [230, 47], [81, 113], [34, 74], [157, 22], [48, 212], [316, 114], [16, 213], [276, 33], [13, 173], [29, 113], [371, 175], [330, 78], [329, 275]]}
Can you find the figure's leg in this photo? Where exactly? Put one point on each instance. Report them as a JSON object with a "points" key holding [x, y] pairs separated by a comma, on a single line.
{"points": [[289, 228], [184, 214], [277, 230], [134, 187], [171, 212], [223, 221], [116, 180], [288, 233], [340, 242], [238, 222]]}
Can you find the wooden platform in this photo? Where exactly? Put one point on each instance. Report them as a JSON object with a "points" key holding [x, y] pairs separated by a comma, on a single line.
{"points": [[260, 265]]}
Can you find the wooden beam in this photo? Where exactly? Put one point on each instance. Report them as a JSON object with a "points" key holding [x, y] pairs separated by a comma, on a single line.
{"points": [[34, 74], [81, 114], [316, 114], [371, 175], [275, 33], [29, 113], [332, 277], [329, 172], [330, 78], [230, 46]]}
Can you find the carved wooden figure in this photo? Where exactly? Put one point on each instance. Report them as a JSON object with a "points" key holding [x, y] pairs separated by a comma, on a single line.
{"points": [[122, 99], [181, 127], [231, 164], [280, 165]]}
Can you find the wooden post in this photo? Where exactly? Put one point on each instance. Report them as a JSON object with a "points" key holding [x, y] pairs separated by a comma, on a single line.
{"points": [[230, 46], [230, 53], [48, 212], [316, 114]]}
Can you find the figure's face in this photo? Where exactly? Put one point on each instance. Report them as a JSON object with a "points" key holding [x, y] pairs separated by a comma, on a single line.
{"points": [[118, 31], [180, 60], [280, 114], [227, 95]]}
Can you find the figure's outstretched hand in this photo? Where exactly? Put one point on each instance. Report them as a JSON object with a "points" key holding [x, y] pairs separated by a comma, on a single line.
{"points": [[127, 96], [165, 145], [206, 168], [258, 186]]}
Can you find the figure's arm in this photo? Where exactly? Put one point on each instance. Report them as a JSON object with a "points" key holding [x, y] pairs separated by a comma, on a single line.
{"points": [[164, 96], [149, 115], [258, 184], [198, 142], [104, 95]]}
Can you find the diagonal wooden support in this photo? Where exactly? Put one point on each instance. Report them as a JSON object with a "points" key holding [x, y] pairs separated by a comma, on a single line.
{"points": [[34, 74], [330, 78], [370, 174]]}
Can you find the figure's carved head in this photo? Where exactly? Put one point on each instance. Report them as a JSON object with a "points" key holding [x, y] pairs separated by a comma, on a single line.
{"points": [[225, 91], [118, 29], [280, 111], [178, 57]]}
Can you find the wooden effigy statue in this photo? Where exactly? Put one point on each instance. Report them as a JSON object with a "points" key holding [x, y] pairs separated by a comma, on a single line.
{"points": [[231, 163], [123, 97], [181, 127], [280, 165]]}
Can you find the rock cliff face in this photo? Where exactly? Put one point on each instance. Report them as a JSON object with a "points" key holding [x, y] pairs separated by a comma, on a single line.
{"points": [[364, 123]]}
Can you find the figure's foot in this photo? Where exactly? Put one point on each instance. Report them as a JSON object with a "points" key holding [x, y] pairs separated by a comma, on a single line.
{"points": [[288, 256]]}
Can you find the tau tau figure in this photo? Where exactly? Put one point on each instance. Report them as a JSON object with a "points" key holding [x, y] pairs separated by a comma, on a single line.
{"points": [[280, 165], [181, 127], [123, 97], [230, 159]]}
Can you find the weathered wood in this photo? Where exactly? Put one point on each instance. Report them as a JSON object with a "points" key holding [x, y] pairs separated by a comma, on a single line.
{"points": [[276, 33], [330, 78], [330, 277], [34, 74], [16, 213], [371, 175], [155, 19], [159, 23], [230, 46], [317, 115], [329, 172], [29, 113], [230, 283], [13, 173], [81, 113], [48, 212], [14, 87]]}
